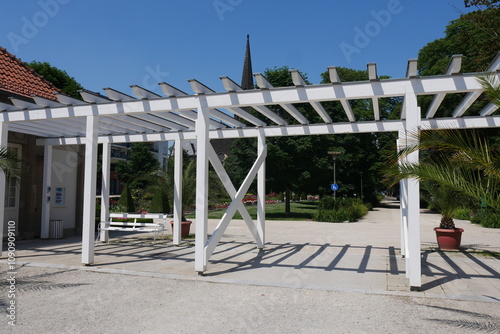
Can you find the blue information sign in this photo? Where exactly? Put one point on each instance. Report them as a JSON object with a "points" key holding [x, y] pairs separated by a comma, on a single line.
{"points": [[334, 187]]}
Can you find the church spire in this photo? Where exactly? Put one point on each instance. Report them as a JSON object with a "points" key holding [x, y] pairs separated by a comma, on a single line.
{"points": [[247, 76]]}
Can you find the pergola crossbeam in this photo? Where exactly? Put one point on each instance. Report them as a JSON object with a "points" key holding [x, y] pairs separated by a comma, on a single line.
{"points": [[264, 84]]}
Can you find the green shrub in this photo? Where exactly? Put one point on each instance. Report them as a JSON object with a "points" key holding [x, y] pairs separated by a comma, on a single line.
{"points": [[487, 219], [126, 200], [462, 213], [340, 209], [159, 203]]}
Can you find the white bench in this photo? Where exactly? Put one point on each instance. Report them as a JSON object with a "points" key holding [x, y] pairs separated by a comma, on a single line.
{"points": [[116, 223]]}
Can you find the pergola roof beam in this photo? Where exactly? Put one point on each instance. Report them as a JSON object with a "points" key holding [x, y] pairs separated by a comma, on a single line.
{"points": [[335, 79], [162, 121], [489, 109], [19, 127], [68, 100], [453, 68], [118, 96], [334, 75], [270, 114], [226, 118], [471, 97], [246, 116], [264, 84], [49, 131], [299, 81], [23, 104], [170, 116], [170, 90], [7, 107], [412, 68], [321, 112], [93, 97], [154, 121], [372, 76], [137, 121], [200, 88], [143, 93], [230, 85], [468, 100], [45, 103], [126, 127]]}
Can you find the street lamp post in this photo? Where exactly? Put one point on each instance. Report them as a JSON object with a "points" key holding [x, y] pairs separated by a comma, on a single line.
{"points": [[334, 154]]}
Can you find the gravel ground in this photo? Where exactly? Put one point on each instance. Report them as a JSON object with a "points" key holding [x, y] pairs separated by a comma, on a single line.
{"points": [[53, 300]]}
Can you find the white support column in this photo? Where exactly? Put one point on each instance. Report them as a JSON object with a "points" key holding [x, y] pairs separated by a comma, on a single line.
{"points": [[261, 193], [403, 203], [178, 191], [202, 141], [106, 175], [4, 135], [46, 191], [404, 223], [89, 190], [413, 189]]}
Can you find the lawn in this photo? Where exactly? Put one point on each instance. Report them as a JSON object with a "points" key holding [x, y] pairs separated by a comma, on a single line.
{"points": [[303, 210]]}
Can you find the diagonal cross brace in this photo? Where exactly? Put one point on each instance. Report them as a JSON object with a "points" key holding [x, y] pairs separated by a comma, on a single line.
{"points": [[235, 205], [231, 190]]}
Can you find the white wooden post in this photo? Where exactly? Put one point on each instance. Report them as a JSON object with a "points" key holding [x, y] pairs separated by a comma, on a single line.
{"points": [[261, 194], [178, 164], [89, 190], [202, 141], [46, 191], [413, 256], [105, 184], [404, 223], [4, 135], [403, 202]]}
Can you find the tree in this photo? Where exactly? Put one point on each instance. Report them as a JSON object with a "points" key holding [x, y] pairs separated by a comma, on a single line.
{"points": [[474, 35], [59, 78], [486, 3], [137, 169]]}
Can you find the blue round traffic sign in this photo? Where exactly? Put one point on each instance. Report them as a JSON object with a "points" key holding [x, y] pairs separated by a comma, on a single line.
{"points": [[334, 187]]}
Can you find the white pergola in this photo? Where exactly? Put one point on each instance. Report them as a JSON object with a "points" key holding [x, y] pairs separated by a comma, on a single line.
{"points": [[206, 115]]}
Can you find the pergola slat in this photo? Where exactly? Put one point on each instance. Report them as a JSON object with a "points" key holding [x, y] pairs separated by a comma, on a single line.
{"points": [[453, 68], [264, 84]]}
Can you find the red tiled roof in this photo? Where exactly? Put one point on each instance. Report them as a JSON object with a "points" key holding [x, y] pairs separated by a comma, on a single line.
{"points": [[17, 77]]}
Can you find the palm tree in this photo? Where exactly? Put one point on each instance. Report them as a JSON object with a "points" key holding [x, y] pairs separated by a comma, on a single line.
{"points": [[10, 163], [460, 160], [491, 86]]}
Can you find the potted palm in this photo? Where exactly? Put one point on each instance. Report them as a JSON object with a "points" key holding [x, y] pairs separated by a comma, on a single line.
{"points": [[446, 202], [459, 161], [164, 188], [188, 195]]}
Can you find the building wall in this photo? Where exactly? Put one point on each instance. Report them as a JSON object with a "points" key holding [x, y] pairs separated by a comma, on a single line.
{"points": [[64, 186], [30, 194]]}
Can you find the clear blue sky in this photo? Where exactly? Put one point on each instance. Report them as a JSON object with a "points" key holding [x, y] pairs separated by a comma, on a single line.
{"points": [[117, 43]]}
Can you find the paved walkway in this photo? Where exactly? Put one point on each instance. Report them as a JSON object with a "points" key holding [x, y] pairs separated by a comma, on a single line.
{"points": [[362, 256]]}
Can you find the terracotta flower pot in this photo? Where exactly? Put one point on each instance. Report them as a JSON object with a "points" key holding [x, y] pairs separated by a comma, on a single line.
{"points": [[448, 239], [185, 226]]}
